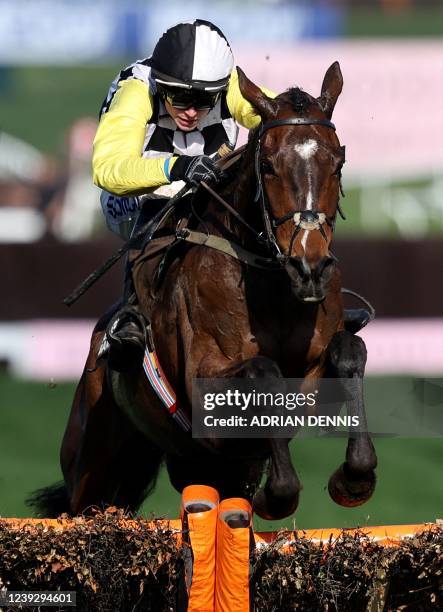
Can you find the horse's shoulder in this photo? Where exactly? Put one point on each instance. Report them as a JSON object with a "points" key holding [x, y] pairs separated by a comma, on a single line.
{"points": [[205, 267]]}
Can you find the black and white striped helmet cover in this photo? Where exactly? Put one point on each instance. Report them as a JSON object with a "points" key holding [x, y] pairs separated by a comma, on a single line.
{"points": [[193, 54]]}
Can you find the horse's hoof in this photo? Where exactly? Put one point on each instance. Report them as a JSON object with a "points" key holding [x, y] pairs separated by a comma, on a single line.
{"points": [[273, 508], [351, 490]]}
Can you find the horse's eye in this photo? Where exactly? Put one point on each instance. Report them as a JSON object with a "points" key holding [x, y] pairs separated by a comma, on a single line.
{"points": [[267, 167]]}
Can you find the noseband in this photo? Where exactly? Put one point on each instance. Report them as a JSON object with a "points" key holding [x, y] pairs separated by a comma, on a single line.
{"points": [[303, 219]]}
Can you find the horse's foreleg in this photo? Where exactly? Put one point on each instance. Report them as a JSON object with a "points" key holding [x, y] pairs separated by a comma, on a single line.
{"points": [[280, 494], [354, 481], [279, 497]]}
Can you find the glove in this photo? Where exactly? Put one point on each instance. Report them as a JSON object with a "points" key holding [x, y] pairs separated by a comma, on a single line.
{"points": [[193, 170]]}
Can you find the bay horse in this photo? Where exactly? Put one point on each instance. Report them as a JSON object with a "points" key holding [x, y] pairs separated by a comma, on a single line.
{"points": [[216, 316]]}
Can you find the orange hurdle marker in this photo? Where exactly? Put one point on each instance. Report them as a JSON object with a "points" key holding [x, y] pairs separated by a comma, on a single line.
{"points": [[199, 510], [235, 542]]}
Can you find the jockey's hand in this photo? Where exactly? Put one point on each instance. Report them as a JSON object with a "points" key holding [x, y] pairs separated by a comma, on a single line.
{"points": [[193, 170]]}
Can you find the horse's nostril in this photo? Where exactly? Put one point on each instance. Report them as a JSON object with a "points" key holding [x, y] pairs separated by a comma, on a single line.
{"points": [[305, 272]]}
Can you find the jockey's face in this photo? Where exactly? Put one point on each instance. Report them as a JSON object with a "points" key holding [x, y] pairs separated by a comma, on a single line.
{"points": [[186, 119]]}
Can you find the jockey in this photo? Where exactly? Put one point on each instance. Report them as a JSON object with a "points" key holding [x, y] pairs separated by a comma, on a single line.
{"points": [[161, 125]]}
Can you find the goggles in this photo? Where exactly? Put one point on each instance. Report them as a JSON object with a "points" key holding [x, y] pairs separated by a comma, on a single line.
{"points": [[186, 98]]}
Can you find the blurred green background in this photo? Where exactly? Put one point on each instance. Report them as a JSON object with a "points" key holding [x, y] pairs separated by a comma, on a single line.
{"points": [[419, 19], [409, 487]]}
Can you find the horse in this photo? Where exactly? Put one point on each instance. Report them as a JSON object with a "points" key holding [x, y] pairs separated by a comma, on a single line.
{"points": [[216, 316]]}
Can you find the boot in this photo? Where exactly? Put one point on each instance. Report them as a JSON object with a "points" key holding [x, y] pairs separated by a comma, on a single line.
{"points": [[126, 335]]}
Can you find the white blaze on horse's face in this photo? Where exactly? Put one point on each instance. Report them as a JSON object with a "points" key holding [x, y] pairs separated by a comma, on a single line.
{"points": [[306, 150], [304, 240]]}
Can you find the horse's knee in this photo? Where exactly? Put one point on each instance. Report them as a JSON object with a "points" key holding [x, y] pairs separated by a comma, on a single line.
{"points": [[280, 495], [347, 355]]}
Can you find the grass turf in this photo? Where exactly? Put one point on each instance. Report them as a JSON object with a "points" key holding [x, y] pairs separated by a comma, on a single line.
{"points": [[33, 417]]}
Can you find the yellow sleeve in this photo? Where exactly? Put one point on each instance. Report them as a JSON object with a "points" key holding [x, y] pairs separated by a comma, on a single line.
{"points": [[117, 162], [242, 111]]}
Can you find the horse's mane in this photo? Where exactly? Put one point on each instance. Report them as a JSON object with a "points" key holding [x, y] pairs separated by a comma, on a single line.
{"points": [[299, 99]]}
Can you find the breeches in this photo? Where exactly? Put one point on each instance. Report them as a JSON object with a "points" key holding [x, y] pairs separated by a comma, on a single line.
{"points": [[124, 214]]}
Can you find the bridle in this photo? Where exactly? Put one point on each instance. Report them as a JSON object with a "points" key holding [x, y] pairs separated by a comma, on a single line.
{"points": [[307, 220], [303, 219]]}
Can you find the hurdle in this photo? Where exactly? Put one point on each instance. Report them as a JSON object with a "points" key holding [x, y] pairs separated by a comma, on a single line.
{"points": [[217, 543]]}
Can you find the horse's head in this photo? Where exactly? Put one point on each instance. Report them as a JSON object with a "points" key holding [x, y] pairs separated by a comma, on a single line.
{"points": [[298, 161]]}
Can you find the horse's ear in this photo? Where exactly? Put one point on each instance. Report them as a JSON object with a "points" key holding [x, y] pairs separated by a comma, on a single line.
{"points": [[331, 89], [265, 107]]}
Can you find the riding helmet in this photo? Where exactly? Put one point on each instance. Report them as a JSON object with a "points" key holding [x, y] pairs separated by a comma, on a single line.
{"points": [[193, 55]]}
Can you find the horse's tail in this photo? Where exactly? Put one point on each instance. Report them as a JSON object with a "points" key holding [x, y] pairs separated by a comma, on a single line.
{"points": [[49, 502]]}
